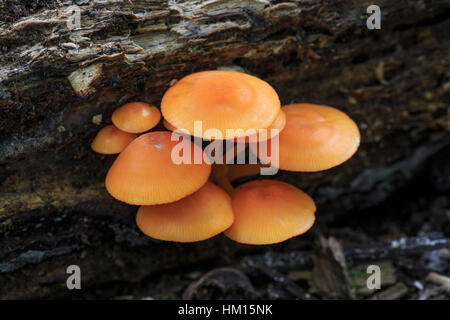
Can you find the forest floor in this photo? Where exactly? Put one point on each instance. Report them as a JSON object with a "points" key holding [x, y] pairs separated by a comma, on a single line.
{"points": [[407, 236]]}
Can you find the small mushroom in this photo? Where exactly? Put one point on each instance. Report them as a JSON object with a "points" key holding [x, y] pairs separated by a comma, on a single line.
{"points": [[145, 174], [220, 100], [269, 211], [197, 217], [110, 140], [136, 117], [314, 138]]}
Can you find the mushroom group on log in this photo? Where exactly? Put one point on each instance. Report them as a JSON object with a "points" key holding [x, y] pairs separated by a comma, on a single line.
{"points": [[60, 84]]}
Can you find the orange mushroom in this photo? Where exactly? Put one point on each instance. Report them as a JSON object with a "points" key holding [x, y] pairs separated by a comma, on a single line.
{"points": [[314, 138], [219, 177], [110, 140], [219, 173], [269, 211], [197, 217], [168, 126], [278, 124], [224, 174], [220, 100], [145, 173], [136, 117]]}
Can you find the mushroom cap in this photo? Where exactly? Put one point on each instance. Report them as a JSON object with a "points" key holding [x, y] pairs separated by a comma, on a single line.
{"points": [[168, 126], [221, 100], [269, 211], [144, 173], [278, 124], [136, 117], [110, 140], [280, 121], [197, 217], [315, 138]]}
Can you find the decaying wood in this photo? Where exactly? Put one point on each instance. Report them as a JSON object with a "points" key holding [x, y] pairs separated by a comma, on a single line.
{"points": [[330, 275], [395, 292], [439, 279], [59, 86], [222, 278], [299, 260]]}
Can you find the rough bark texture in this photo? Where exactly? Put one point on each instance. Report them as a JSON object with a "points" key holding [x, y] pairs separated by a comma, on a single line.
{"points": [[54, 209]]}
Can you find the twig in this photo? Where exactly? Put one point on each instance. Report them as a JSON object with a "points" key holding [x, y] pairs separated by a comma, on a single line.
{"points": [[392, 293], [439, 279], [288, 284]]}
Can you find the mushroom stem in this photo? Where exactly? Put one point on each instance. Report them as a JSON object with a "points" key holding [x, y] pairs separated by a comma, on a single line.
{"points": [[225, 184], [224, 173], [237, 171], [219, 177]]}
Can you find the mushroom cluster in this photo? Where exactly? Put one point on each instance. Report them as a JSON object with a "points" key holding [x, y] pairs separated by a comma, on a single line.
{"points": [[193, 201], [128, 120]]}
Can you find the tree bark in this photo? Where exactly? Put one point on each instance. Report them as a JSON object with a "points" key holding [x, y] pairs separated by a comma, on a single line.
{"points": [[54, 209]]}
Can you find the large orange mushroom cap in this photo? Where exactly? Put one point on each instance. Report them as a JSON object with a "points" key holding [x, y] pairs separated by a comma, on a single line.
{"points": [[269, 211], [315, 138], [110, 140], [145, 174], [197, 217], [136, 117], [221, 100]]}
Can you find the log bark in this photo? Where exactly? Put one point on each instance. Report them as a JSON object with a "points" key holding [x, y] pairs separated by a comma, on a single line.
{"points": [[55, 81]]}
